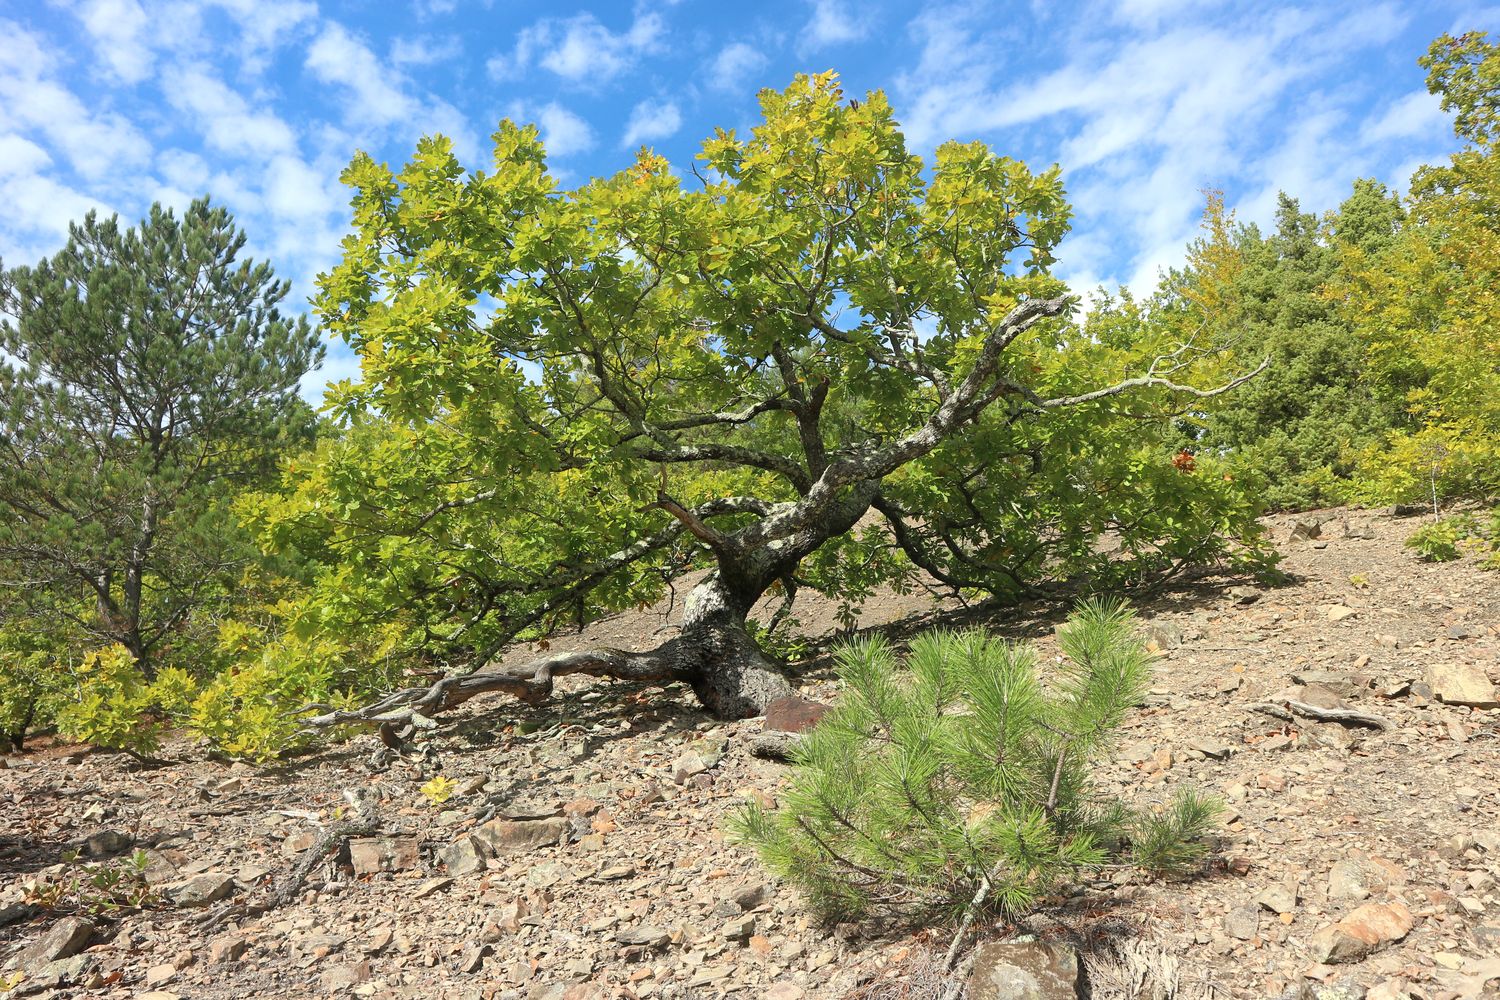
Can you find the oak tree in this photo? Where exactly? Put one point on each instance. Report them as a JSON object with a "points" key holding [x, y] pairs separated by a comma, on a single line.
{"points": [[812, 359]]}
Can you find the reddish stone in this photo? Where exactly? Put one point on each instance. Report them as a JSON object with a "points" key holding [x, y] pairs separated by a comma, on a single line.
{"points": [[368, 855], [1367, 929], [792, 714]]}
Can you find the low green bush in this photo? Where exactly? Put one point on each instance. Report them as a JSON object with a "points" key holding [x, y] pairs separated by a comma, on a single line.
{"points": [[1438, 541], [1447, 538]]}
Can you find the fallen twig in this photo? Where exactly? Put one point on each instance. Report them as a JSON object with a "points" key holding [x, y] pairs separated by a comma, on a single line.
{"points": [[963, 928], [1288, 709], [363, 821]]}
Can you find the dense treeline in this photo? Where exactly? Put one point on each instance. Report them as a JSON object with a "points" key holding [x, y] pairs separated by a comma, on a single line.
{"points": [[830, 368]]}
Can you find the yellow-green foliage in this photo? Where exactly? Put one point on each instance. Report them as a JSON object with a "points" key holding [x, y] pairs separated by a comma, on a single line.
{"points": [[249, 710], [115, 706], [1428, 304], [30, 689]]}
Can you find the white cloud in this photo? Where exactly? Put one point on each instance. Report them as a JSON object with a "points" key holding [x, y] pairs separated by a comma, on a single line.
{"points": [[563, 132], [425, 50], [425, 9], [1143, 119], [263, 26], [1417, 114], [651, 120], [381, 97], [1153, 12], [340, 363], [580, 49], [337, 57], [297, 191], [97, 143], [40, 208], [733, 65], [228, 121], [833, 23], [19, 155], [119, 30]]}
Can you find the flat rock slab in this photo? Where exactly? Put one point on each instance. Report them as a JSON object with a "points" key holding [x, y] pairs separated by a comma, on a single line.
{"points": [[513, 836], [1462, 684], [200, 890], [1024, 970], [791, 714], [64, 939], [368, 855]]}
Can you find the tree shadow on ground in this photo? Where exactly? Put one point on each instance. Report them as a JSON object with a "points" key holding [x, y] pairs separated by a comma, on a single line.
{"points": [[1033, 619]]}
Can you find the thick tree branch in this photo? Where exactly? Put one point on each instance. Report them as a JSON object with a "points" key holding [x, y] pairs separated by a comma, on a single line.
{"points": [[873, 465], [690, 520], [788, 469]]}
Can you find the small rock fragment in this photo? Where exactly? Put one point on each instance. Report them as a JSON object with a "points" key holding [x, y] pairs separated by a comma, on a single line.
{"points": [[228, 948], [368, 855], [343, 977], [740, 928], [431, 886], [1034, 970], [200, 890], [1278, 898], [462, 857], [688, 765], [643, 936], [64, 939], [1244, 595], [1242, 922], [160, 975], [104, 843], [1368, 929], [1211, 748], [791, 714], [513, 836]]}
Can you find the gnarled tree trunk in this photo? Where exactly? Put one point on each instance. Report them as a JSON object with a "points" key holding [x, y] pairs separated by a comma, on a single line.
{"points": [[728, 671], [713, 650]]}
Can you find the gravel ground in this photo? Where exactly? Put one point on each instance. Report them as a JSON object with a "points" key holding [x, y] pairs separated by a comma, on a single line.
{"points": [[638, 893]]}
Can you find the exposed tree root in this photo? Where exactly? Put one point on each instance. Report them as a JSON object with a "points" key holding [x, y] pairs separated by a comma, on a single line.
{"points": [[529, 682]]}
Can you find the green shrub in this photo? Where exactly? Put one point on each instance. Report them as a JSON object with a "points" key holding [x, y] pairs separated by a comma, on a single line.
{"points": [[1445, 539], [1438, 540], [30, 688], [116, 707], [35, 676], [960, 779], [104, 887]]}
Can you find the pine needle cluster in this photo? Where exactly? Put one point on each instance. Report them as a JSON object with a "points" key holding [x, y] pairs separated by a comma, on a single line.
{"points": [[959, 782]]}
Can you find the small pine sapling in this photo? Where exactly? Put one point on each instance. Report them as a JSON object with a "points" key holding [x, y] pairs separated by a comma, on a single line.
{"points": [[958, 782]]}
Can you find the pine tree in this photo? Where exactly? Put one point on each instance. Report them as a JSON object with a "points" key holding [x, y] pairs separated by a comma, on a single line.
{"points": [[147, 372], [1301, 425]]}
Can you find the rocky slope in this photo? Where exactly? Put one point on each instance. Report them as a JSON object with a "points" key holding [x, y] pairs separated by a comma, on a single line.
{"points": [[582, 853]]}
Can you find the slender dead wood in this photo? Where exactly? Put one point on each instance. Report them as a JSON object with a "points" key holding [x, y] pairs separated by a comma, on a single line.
{"points": [[1287, 710]]}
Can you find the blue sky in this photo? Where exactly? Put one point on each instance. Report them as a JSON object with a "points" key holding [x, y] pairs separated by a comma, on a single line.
{"points": [[116, 103]]}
